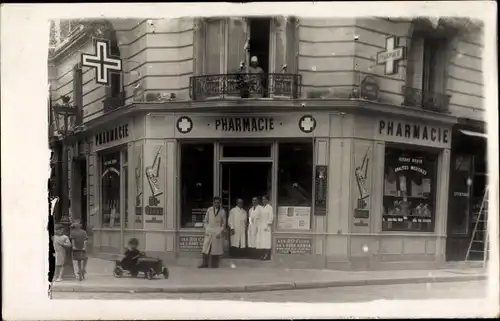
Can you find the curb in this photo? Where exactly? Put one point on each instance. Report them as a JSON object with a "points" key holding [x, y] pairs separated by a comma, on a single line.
{"points": [[278, 286]]}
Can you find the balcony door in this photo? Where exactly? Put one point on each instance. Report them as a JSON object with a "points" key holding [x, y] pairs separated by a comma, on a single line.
{"points": [[221, 44]]}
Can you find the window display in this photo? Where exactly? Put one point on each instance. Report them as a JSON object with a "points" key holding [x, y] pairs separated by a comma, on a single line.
{"points": [[409, 190], [110, 189], [197, 187], [295, 185]]}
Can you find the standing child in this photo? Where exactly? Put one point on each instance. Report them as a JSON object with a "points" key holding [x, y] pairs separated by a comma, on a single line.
{"points": [[79, 242], [61, 242]]}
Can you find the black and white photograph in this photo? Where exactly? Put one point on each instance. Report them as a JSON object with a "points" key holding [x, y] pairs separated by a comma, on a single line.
{"points": [[262, 157]]}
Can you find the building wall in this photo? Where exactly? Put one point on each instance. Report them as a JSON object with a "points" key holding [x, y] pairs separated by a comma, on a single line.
{"points": [[158, 59], [331, 61]]}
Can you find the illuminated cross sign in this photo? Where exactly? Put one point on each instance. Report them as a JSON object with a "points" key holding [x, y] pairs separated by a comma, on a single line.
{"points": [[390, 56], [102, 61]]}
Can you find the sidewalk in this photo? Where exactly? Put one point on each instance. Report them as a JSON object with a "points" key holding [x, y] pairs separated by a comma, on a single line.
{"points": [[244, 279]]}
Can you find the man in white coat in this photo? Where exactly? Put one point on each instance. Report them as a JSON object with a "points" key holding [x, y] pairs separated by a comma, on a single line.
{"points": [[238, 225], [215, 224], [254, 214], [264, 238]]}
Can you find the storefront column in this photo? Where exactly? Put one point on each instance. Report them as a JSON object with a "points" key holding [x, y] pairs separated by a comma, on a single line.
{"points": [[320, 158], [442, 201], [378, 186]]}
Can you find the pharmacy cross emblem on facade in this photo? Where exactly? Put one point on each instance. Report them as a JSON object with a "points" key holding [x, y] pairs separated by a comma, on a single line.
{"points": [[102, 61], [307, 124], [184, 124], [390, 57]]}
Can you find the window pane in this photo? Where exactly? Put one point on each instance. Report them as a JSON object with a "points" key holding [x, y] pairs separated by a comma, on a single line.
{"points": [[110, 189], [295, 172], [409, 190], [197, 179], [250, 150], [125, 186]]}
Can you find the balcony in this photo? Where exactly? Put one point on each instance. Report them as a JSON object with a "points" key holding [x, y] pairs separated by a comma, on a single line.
{"points": [[115, 102], [242, 85], [425, 99]]}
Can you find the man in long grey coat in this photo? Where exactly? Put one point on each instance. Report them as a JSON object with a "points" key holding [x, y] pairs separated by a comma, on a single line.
{"points": [[213, 243]]}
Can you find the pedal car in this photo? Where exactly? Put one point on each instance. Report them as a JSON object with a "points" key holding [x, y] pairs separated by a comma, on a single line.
{"points": [[142, 264]]}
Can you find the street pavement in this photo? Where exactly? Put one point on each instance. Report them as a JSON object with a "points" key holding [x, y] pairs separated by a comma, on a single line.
{"points": [[246, 279], [420, 291]]}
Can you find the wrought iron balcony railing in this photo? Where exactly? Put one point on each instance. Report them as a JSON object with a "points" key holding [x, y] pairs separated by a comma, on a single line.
{"points": [[115, 102], [425, 99], [243, 85]]}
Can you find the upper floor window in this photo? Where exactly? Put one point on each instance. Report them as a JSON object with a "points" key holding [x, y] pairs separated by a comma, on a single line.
{"points": [[426, 72], [246, 57], [223, 44]]}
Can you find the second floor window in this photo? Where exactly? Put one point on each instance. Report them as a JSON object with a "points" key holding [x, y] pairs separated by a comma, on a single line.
{"points": [[222, 44], [427, 64]]}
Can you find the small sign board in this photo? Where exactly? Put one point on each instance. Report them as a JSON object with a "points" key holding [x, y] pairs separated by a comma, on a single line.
{"points": [[190, 243], [321, 190], [293, 245]]}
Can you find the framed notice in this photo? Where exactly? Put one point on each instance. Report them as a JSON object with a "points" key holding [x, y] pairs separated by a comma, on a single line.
{"points": [[294, 218], [293, 245], [190, 243]]}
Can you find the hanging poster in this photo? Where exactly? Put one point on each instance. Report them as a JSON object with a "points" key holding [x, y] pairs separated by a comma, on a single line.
{"points": [[138, 184], [294, 218], [154, 168]]}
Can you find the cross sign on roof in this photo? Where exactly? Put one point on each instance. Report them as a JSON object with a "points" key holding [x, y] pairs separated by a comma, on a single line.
{"points": [[102, 61]]}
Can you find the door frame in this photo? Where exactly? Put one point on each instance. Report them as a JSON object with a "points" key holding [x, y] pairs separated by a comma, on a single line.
{"points": [[219, 160]]}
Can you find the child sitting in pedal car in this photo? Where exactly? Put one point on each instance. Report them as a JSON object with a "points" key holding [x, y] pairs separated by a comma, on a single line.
{"points": [[131, 255]]}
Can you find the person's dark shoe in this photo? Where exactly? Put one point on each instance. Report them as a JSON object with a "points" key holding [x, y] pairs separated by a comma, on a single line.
{"points": [[204, 264]]}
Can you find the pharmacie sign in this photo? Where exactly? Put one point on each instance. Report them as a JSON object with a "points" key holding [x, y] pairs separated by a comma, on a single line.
{"points": [[244, 124], [111, 135], [404, 131]]}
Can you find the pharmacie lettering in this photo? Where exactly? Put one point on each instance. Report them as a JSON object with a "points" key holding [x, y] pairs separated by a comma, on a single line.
{"points": [[413, 131], [244, 124], [111, 135]]}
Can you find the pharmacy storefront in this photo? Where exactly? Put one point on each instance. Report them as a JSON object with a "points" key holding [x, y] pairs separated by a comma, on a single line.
{"points": [[348, 191]]}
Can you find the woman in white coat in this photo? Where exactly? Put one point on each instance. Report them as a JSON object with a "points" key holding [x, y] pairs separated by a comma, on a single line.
{"points": [[264, 238]]}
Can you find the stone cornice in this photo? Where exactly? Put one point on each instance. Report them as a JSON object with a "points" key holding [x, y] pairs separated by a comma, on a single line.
{"points": [[348, 106]]}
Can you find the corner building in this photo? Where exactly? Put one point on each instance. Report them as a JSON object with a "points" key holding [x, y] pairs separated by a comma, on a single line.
{"points": [[354, 130]]}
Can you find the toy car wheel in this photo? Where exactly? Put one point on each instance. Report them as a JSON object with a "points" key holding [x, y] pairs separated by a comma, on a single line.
{"points": [[165, 273], [118, 272], [150, 274]]}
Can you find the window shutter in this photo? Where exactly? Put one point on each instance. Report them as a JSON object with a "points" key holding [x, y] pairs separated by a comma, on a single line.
{"points": [[291, 45], [199, 37], [78, 92], [213, 47], [414, 75], [280, 44], [236, 44]]}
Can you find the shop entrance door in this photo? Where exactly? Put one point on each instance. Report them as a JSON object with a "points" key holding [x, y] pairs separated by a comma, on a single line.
{"points": [[244, 180]]}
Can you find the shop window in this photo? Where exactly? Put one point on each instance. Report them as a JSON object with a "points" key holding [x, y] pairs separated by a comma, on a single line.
{"points": [[295, 172], [197, 183], [112, 191], [409, 190]]}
